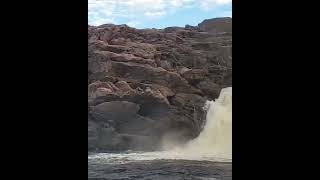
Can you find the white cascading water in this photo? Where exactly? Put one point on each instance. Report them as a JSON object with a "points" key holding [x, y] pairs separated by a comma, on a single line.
{"points": [[216, 137], [214, 142]]}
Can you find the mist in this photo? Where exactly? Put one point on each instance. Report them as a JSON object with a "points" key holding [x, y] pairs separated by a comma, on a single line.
{"points": [[214, 141]]}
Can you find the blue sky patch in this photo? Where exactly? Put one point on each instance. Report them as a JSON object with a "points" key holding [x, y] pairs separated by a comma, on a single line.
{"points": [[156, 13]]}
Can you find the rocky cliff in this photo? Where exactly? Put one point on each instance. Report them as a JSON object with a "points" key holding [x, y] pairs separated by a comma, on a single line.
{"points": [[147, 84]]}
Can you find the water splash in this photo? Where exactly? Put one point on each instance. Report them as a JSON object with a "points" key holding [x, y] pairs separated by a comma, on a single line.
{"points": [[215, 140], [213, 144]]}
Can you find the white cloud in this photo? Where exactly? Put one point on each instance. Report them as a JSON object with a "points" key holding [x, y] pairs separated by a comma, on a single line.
{"points": [[176, 3], [180, 3], [155, 14], [150, 8], [101, 11], [113, 9], [143, 5], [209, 4], [107, 11]]}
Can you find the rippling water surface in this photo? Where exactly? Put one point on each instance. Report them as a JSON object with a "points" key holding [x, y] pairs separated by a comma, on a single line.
{"points": [[154, 166]]}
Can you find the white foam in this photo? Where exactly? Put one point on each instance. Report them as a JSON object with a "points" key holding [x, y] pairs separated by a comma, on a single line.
{"points": [[215, 140]]}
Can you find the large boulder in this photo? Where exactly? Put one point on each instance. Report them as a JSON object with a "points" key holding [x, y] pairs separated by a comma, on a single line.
{"points": [[115, 110]]}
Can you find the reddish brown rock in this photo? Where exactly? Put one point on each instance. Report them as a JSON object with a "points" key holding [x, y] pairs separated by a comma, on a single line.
{"points": [[147, 83]]}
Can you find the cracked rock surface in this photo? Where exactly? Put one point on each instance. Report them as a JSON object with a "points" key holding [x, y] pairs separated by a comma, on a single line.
{"points": [[146, 83]]}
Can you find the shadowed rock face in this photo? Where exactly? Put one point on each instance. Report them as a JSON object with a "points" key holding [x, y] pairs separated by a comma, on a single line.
{"points": [[146, 83]]}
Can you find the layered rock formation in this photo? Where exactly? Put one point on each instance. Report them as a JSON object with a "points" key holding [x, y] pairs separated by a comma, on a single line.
{"points": [[146, 84]]}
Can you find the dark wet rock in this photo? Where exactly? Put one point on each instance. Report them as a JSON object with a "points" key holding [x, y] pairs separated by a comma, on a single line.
{"points": [[210, 88], [109, 140], [115, 110], [146, 84]]}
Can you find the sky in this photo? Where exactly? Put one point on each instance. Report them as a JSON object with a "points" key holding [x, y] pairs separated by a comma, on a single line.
{"points": [[156, 13]]}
